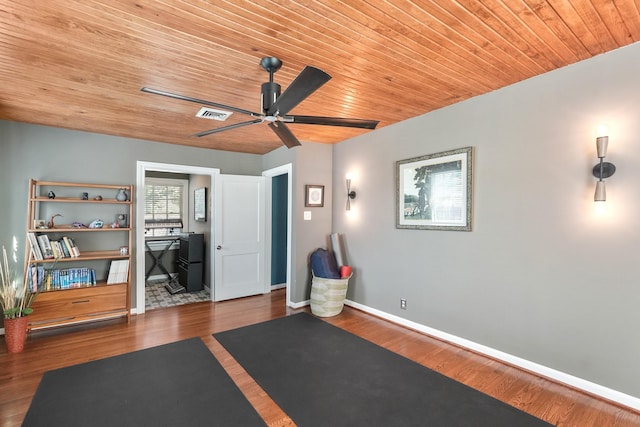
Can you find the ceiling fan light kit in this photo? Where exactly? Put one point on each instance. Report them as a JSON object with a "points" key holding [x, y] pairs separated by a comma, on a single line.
{"points": [[275, 105]]}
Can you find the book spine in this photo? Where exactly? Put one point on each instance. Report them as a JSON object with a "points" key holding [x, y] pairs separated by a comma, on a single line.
{"points": [[41, 278], [85, 276], [45, 246], [54, 249], [35, 248], [74, 247], [67, 245], [34, 279], [47, 284], [63, 249]]}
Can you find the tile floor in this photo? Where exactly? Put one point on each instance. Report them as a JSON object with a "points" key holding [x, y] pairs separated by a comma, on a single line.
{"points": [[157, 296]]}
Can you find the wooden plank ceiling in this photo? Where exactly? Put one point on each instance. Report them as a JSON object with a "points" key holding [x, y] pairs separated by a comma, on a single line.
{"points": [[80, 64]]}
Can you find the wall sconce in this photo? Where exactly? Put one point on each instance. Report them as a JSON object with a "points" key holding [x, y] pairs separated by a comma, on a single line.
{"points": [[350, 194], [603, 169]]}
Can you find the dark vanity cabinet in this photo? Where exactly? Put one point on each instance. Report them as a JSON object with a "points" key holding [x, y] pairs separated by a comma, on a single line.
{"points": [[191, 262]]}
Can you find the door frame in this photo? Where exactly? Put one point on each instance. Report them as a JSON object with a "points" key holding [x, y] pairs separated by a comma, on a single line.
{"points": [[281, 170], [141, 169]]}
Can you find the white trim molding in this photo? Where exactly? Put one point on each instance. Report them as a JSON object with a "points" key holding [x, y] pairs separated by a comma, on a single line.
{"points": [[270, 173], [141, 168], [552, 374], [299, 304]]}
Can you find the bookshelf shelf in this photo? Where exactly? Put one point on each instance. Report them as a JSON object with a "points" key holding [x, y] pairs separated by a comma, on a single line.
{"points": [[76, 200], [68, 228], [87, 256], [76, 290]]}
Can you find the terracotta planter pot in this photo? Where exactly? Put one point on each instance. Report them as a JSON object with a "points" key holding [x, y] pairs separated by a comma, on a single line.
{"points": [[15, 333]]}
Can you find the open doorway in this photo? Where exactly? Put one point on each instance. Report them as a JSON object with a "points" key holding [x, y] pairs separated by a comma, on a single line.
{"points": [[204, 175], [279, 232], [175, 220], [211, 173], [281, 205]]}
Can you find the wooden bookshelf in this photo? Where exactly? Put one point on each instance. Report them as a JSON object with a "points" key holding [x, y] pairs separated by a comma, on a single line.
{"points": [[68, 303]]}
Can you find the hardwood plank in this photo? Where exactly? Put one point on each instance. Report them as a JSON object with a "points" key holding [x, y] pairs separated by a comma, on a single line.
{"points": [[539, 41], [558, 27], [628, 10], [47, 350]]}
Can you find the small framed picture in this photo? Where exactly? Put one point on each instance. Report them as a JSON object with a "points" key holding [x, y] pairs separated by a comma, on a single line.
{"points": [[39, 224], [314, 196], [200, 204], [121, 220]]}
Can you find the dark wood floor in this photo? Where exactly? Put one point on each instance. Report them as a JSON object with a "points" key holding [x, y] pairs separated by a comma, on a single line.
{"points": [[21, 373]]}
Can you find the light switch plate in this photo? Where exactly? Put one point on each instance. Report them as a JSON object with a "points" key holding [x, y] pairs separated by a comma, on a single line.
{"points": [[307, 215]]}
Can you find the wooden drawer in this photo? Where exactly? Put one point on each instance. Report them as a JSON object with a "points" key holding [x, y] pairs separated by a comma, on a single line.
{"points": [[69, 305]]}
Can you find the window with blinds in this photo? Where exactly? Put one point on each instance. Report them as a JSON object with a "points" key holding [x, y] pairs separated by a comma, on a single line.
{"points": [[164, 199]]}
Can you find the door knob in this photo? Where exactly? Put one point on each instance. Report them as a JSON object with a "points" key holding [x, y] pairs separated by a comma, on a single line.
{"points": [[218, 247]]}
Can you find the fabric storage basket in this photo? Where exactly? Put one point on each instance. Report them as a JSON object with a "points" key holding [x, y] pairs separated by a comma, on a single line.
{"points": [[327, 296]]}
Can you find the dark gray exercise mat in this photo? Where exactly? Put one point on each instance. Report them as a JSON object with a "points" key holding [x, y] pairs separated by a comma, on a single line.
{"points": [[321, 375], [176, 384]]}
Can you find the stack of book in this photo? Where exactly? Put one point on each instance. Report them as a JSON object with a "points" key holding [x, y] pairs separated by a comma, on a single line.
{"points": [[44, 248], [46, 280]]}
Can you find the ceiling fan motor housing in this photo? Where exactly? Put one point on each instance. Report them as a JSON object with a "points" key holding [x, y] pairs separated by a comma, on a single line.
{"points": [[270, 93]]}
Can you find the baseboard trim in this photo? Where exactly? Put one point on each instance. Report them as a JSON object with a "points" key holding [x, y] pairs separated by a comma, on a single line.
{"points": [[299, 304], [553, 374]]}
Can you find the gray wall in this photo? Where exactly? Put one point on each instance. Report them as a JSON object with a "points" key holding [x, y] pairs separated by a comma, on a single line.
{"points": [[312, 164], [541, 276], [40, 152], [195, 182], [46, 153]]}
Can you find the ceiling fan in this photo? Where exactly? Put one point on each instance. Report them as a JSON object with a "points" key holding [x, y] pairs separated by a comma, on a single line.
{"points": [[275, 106]]}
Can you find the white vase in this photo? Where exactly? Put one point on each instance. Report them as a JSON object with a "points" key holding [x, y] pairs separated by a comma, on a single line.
{"points": [[122, 195]]}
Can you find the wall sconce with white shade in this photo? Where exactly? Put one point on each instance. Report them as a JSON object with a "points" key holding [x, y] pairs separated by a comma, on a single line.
{"points": [[350, 193], [603, 169]]}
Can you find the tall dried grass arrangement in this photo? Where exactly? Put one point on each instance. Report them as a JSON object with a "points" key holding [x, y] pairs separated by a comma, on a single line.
{"points": [[15, 297]]}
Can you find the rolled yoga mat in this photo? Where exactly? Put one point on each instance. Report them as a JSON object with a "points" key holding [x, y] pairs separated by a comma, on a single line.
{"points": [[337, 246]]}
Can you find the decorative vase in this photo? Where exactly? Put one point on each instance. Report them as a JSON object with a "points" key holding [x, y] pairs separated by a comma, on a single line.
{"points": [[15, 333], [122, 195]]}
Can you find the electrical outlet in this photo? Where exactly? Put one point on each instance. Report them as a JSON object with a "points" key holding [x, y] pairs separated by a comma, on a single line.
{"points": [[403, 303]]}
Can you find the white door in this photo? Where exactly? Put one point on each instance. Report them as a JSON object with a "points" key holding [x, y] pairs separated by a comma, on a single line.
{"points": [[239, 241]]}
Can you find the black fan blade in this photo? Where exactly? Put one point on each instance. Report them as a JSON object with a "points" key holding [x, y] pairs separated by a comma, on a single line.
{"points": [[199, 101], [307, 82], [284, 134], [332, 121], [223, 128]]}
